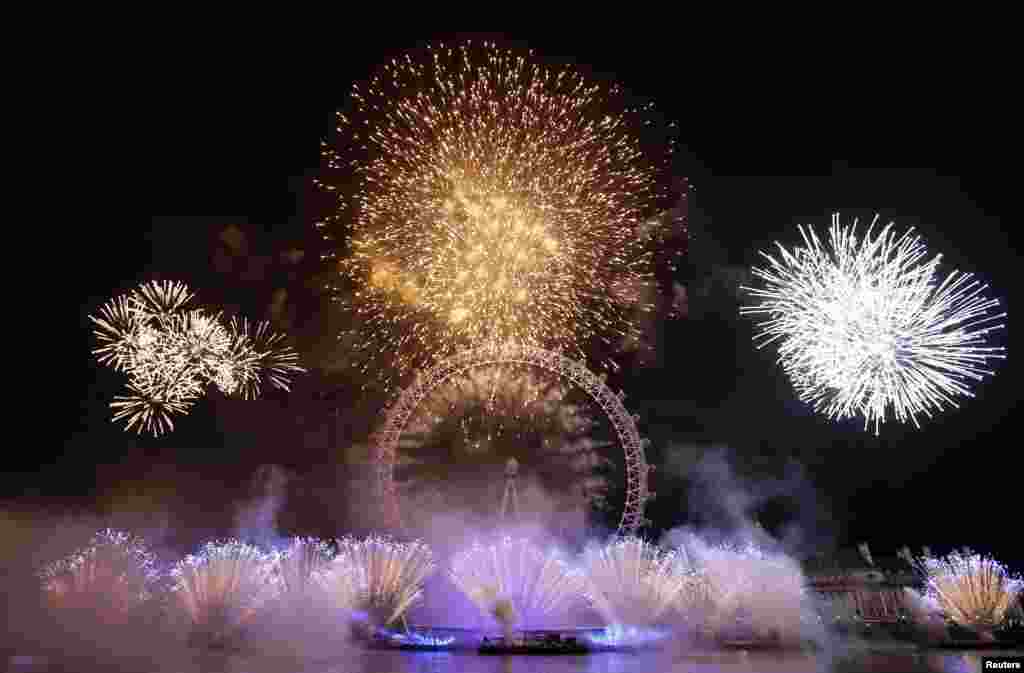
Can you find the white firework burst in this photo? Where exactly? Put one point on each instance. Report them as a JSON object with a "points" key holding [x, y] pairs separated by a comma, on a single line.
{"points": [[171, 355], [866, 328]]}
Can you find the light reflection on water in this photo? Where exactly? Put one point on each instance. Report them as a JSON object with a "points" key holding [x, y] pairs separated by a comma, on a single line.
{"points": [[366, 661]]}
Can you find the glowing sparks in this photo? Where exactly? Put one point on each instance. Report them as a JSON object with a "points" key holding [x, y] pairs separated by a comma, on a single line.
{"points": [[224, 586], [301, 566], [496, 201], [115, 569], [865, 328], [973, 590], [632, 582], [471, 424], [516, 581], [745, 587], [380, 577], [171, 355]]}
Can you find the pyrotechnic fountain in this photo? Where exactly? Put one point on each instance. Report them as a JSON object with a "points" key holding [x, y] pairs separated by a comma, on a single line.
{"points": [[115, 573], [748, 594], [380, 578], [223, 587], [975, 591], [517, 582], [634, 585]]}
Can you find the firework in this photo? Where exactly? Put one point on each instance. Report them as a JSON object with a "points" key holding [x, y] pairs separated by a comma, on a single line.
{"points": [[973, 590], [301, 566], [865, 328], [115, 569], [748, 587], [495, 201], [379, 577], [475, 421], [632, 582], [515, 581], [223, 586], [171, 355]]}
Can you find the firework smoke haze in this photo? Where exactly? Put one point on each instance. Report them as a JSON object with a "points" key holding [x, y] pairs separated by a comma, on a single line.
{"points": [[497, 200], [865, 328]]}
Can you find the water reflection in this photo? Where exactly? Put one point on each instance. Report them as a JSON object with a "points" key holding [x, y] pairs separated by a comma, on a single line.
{"points": [[906, 660]]}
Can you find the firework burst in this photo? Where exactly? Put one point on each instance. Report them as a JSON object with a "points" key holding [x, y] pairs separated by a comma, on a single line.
{"points": [[748, 587], [865, 328], [476, 420], [496, 200], [301, 566], [973, 590], [379, 577], [632, 582], [171, 355], [115, 569], [516, 581], [222, 587]]}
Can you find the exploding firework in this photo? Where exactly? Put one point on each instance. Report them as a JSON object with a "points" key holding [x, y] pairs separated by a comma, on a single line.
{"points": [[379, 577], [748, 589], [632, 582], [516, 582], [171, 355], [301, 567], [864, 328], [973, 590], [496, 201], [222, 587], [474, 422], [116, 570]]}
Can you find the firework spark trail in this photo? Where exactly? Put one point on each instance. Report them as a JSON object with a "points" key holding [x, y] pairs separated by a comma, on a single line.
{"points": [[224, 585], [171, 355], [514, 580], [974, 590], [496, 201], [507, 401], [632, 582], [765, 588], [379, 576], [115, 569], [865, 329], [302, 565]]}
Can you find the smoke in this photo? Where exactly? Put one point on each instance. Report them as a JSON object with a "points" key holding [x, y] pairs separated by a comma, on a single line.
{"points": [[542, 518], [727, 506], [753, 575], [256, 518]]}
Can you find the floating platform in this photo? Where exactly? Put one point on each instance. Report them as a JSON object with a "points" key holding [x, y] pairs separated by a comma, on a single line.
{"points": [[548, 645]]}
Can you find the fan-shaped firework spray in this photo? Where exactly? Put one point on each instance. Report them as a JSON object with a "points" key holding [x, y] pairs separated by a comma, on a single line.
{"points": [[380, 577], [516, 581]]}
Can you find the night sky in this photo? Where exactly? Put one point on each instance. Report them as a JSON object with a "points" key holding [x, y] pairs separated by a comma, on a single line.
{"points": [[232, 138]]}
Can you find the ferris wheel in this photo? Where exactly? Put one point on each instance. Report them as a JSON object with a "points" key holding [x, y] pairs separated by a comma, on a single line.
{"points": [[398, 415]]}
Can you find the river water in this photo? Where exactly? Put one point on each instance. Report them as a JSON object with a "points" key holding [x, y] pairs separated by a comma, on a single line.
{"points": [[895, 660]]}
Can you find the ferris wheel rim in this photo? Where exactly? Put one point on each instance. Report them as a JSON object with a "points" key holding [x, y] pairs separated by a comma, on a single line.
{"points": [[399, 414]]}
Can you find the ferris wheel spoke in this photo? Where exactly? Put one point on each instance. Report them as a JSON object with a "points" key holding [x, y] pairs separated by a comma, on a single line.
{"points": [[400, 413]]}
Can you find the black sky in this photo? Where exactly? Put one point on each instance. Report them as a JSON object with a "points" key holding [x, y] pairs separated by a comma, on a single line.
{"points": [[767, 141]]}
